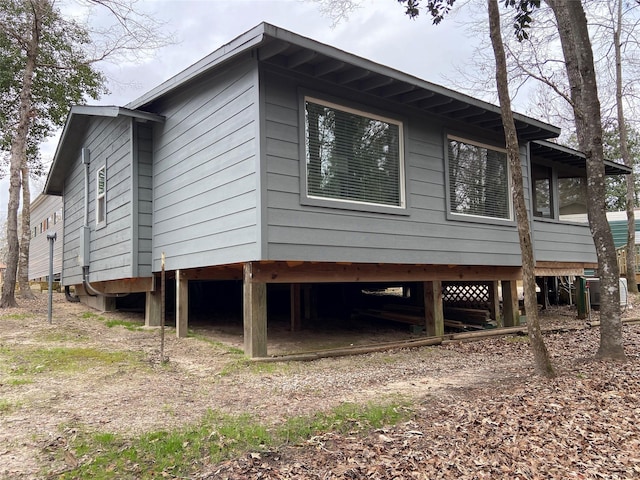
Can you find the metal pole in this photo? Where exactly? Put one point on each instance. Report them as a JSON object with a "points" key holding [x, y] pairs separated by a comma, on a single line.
{"points": [[51, 236], [162, 309]]}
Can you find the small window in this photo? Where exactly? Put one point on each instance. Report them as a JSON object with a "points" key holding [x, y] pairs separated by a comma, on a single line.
{"points": [[542, 191], [353, 156], [101, 195], [478, 180]]}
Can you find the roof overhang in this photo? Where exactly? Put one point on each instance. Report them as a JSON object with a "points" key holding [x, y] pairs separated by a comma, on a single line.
{"points": [[73, 135], [283, 49], [573, 158]]}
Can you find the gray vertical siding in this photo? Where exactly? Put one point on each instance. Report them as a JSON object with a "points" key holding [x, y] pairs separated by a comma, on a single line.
{"points": [[109, 140], [422, 234], [145, 198], [205, 207], [43, 208]]}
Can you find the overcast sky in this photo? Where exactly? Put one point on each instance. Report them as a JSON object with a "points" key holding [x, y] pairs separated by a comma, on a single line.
{"points": [[380, 32]]}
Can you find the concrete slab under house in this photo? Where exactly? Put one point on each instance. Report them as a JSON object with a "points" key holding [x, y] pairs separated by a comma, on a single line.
{"points": [[280, 174]]}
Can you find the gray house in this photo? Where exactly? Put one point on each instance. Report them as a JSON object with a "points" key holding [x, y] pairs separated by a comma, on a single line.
{"points": [[280, 160]]}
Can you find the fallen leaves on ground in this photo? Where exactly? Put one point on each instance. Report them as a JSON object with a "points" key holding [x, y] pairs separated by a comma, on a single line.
{"points": [[584, 424]]}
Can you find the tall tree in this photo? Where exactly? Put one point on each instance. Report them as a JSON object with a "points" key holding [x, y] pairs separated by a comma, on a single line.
{"points": [[541, 355], [48, 70], [438, 9], [617, 185], [578, 55], [22, 24], [25, 235], [626, 156], [47, 65], [613, 28]]}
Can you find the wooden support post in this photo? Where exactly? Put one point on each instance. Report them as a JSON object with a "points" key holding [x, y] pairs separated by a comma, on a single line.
{"points": [[494, 302], [152, 309], [510, 307], [255, 316], [182, 304], [306, 301], [296, 323], [100, 302], [433, 309], [582, 303]]}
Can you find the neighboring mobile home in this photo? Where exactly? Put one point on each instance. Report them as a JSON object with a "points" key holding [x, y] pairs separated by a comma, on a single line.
{"points": [[46, 217], [278, 159]]}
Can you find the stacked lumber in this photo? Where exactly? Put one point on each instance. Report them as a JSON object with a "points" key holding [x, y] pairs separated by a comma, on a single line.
{"points": [[471, 317], [459, 319]]}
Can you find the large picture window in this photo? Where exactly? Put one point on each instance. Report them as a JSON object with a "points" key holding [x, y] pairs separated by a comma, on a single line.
{"points": [[101, 195], [352, 156], [478, 180]]}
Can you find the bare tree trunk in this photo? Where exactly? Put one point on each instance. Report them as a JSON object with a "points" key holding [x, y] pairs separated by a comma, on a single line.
{"points": [[541, 355], [578, 55], [18, 156], [25, 237], [7, 299], [626, 158]]}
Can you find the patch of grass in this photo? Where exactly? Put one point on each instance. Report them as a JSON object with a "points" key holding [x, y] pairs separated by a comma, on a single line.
{"points": [[215, 343], [517, 339], [16, 316], [31, 361], [62, 336], [218, 436], [91, 315], [246, 365], [19, 381], [132, 326], [346, 418], [6, 406]]}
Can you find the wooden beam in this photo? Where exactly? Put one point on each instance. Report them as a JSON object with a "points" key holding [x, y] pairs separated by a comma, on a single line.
{"points": [[296, 322], [433, 310], [510, 306], [222, 272], [327, 67], [375, 82], [272, 49], [352, 75], [255, 314], [298, 58], [397, 88], [182, 304], [152, 309], [309, 302], [494, 302], [125, 285], [307, 272], [555, 269], [416, 96]]}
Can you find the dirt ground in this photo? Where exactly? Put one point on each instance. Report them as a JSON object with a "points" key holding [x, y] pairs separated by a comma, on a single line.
{"points": [[136, 393]]}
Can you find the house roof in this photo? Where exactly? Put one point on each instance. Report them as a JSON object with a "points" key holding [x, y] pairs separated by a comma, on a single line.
{"points": [[282, 48], [572, 158], [72, 137]]}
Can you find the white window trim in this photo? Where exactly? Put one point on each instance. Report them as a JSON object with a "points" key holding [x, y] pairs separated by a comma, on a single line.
{"points": [[101, 196], [468, 216], [316, 200]]}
